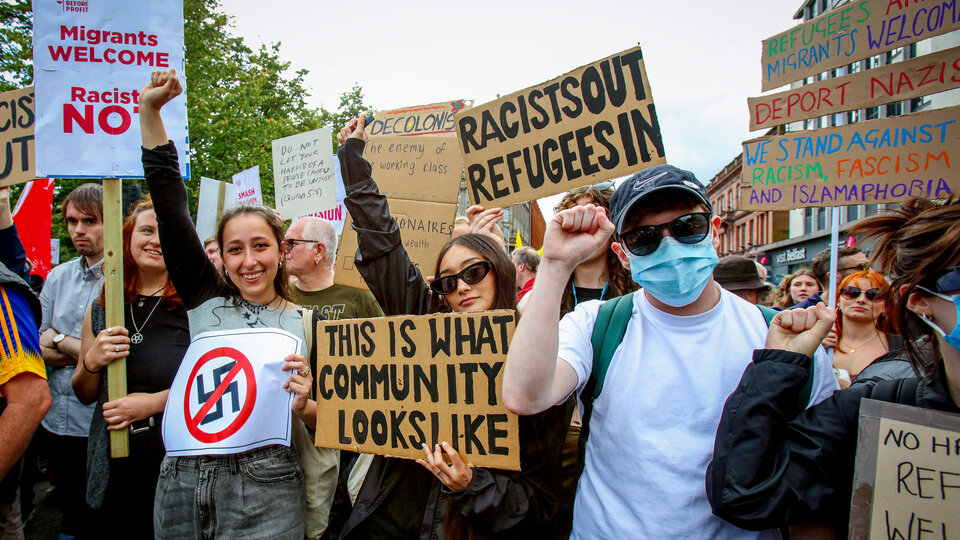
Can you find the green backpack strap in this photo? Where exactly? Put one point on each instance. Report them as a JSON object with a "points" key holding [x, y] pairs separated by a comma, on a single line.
{"points": [[804, 398]]}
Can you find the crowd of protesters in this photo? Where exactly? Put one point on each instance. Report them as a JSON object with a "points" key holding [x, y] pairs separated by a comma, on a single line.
{"points": [[663, 391]]}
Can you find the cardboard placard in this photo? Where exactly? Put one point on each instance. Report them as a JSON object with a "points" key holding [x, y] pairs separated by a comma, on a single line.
{"points": [[247, 186], [907, 477], [431, 119], [387, 385], [303, 173], [416, 168], [91, 59], [17, 119], [921, 76], [595, 123], [852, 32], [880, 161], [215, 198], [424, 226]]}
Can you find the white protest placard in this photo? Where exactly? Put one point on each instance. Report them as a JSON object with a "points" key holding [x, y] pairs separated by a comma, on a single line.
{"points": [[215, 198], [247, 185], [303, 173], [338, 214], [228, 394], [91, 59]]}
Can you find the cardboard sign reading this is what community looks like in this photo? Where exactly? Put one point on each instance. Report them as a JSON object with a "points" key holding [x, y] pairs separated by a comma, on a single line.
{"points": [[16, 136], [303, 174], [389, 385], [907, 477], [592, 124]]}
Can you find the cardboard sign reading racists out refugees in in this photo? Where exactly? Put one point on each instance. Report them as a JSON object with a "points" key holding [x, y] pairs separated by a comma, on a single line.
{"points": [[912, 78], [873, 162], [424, 226], [228, 396], [215, 198], [852, 32], [247, 186], [303, 173], [416, 168], [91, 59], [389, 385], [907, 476], [592, 124], [16, 136], [432, 119]]}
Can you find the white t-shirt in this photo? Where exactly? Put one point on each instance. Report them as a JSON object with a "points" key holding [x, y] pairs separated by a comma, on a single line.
{"points": [[653, 426]]}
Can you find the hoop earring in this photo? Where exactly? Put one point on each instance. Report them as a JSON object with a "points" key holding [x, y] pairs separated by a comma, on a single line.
{"points": [[316, 264], [226, 272]]}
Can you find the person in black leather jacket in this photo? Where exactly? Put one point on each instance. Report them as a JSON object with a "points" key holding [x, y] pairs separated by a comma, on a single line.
{"points": [[408, 499], [774, 465]]}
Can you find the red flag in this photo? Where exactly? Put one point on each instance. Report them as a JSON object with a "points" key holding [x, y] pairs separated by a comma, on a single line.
{"points": [[33, 216]]}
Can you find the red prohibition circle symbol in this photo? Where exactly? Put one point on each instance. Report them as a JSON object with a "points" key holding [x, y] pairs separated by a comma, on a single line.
{"points": [[193, 420]]}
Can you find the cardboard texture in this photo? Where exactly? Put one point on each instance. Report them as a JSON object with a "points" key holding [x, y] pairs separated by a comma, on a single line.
{"points": [[907, 476], [424, 226], [854, 31], [390, 384], [595, 123], [880, 161], [912, 78], [416, 168], [215, 198], [431, 119], [17, 119], [303, 173]]}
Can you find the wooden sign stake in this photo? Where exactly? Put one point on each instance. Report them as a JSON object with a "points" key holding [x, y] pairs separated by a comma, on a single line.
{"points": [[113, 296]]}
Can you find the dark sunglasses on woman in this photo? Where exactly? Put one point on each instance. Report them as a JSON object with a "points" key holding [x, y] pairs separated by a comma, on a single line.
{"points": [[687, 229], [470, 275], [852, 293]]}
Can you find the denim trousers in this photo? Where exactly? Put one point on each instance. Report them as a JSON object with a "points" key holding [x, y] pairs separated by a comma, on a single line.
{"points": [[257, 494]]}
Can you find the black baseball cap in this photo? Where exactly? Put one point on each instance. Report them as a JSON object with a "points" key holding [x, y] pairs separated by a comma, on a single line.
{"points": [[653, 180]]}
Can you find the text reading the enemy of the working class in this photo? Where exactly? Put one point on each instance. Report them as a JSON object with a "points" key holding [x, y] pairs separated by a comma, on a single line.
{"points": [[591, 124]]}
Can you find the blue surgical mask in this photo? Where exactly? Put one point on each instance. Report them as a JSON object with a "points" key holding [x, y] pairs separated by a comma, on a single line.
{"points": [[675, 273], [953, 338]]}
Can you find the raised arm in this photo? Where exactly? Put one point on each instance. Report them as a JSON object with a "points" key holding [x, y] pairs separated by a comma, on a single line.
{"points": [[535, 378], [12, 254], [193, 275], [383, 262]]}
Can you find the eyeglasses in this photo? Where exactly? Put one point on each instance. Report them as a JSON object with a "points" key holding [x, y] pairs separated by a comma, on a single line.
{"points": [[687, 229], [948, 281], [470, 275], [858, 267], [852, 293], [291, 243]]}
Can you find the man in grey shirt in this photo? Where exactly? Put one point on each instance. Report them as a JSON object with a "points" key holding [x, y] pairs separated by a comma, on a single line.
{"points": [[70, 289]]}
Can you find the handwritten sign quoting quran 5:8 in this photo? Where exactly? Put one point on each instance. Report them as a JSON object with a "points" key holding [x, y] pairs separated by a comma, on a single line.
{"points": [[303, 173], [592, 124], [907, 481], [878, 161], [386, 386]]}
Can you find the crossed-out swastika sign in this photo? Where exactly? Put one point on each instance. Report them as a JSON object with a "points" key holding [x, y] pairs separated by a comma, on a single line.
{"points": [[218, 413]]}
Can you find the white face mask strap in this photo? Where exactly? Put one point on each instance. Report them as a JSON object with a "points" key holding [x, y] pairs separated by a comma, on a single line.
{"points": [[932, 324]]}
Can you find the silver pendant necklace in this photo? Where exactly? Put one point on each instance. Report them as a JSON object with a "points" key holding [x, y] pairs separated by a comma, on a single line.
{"points": [[137, 336]]}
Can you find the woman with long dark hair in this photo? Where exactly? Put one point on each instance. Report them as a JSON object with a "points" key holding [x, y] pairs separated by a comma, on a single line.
{"points": [[428, 498]]}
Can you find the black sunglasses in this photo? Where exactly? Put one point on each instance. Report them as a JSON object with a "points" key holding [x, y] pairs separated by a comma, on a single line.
{"points": [[858, 267], [686, 229], [291, 243], [852, 293], [470, 275]]}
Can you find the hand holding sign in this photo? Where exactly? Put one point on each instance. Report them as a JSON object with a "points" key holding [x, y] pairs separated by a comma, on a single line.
{"points": [[456, 476], [299, 384], [801, 330], [111, 344], [355, 129], [575, 234]]}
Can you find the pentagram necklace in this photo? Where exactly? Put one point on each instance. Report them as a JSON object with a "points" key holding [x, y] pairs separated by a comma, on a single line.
{"points": [[137, 337]]}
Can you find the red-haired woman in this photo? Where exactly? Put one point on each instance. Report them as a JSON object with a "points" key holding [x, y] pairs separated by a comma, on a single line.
{"points": [[153, 339]]}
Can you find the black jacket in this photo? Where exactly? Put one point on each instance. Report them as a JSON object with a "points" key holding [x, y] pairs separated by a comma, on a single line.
{"points": [[775, 466], [399, 498]]}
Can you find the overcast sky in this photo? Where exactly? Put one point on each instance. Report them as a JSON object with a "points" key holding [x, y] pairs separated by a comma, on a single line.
{"points": [[702, 56]]}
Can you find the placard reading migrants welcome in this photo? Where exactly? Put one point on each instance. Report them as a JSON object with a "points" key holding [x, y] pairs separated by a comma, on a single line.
{"points": [[907, 477], [389, 385], [303, 173], [912, 78], [852, 32], [879, 161], [432, 119], [91, 59], [16, 136], [592, 124]]}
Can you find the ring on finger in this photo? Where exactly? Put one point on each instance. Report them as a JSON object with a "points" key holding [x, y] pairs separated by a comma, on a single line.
{"points": [[305, 371], [116, 348], [438, 472]]}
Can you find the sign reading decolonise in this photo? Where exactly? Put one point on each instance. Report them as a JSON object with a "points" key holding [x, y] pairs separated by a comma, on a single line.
{"points": [[592, 124], [850, 32], [91, 59]]}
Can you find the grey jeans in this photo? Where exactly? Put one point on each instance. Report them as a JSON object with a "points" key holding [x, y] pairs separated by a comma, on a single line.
{"points": [[257, 494]]}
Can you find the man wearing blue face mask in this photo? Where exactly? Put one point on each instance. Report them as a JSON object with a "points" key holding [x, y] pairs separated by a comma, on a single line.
{"points": [[685, 346]]}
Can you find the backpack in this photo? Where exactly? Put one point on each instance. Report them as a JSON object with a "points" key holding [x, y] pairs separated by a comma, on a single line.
{"points": [[608, 331]]}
